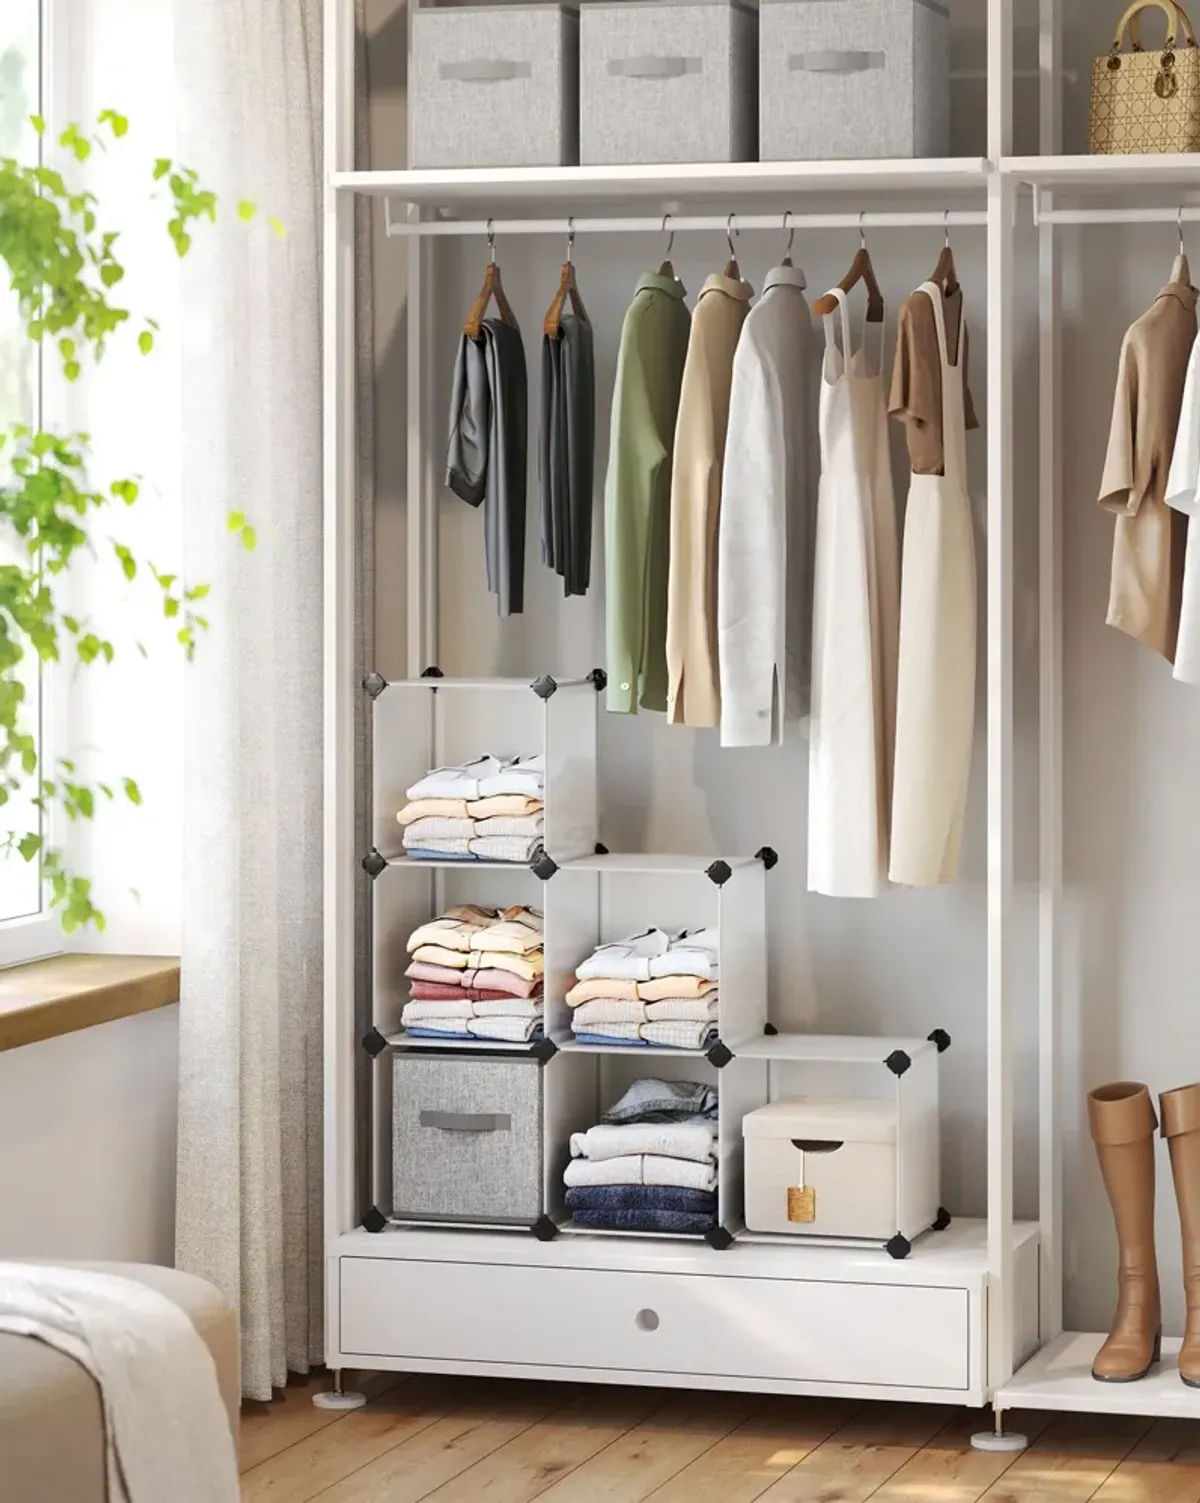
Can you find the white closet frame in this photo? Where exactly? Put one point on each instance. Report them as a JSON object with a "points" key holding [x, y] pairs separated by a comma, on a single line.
{"points": [[995, 1265]]}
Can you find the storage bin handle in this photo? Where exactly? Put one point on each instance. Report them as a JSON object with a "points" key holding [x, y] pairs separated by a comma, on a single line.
{"points": [[653, 67], [816, 1145], [467, 1121], [836, 62], [485, 70]]}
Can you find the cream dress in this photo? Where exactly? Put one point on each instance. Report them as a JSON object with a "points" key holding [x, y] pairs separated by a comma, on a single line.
{"points": [[935, 709], [855, 624]]}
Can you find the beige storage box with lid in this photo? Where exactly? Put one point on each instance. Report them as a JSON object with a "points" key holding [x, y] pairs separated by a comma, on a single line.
{"points": [[823, 1166], [494, 86]]}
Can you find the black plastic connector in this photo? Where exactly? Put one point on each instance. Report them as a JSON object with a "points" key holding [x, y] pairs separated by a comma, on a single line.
{"points": [[374, 1042], [544, 1049], [718, 873], [374, 1220], [770, 1030], [373, 863], [942, 1221], [719, 1237], [898, 1062], [374, 684], [543, 687], [768, 855], [941, 1038], [433, 671], [598, 679], [719, 1054], [601, 848], [543, 866], [544, 1229], [899, 1248]]}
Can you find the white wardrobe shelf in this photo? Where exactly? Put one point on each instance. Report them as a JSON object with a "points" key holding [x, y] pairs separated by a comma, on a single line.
{"points": [[636, 1051], [830, 1049], [665, 866], [1059, 1377], [402, 1040], [433, 863], [1118, 173], [667, 184]]}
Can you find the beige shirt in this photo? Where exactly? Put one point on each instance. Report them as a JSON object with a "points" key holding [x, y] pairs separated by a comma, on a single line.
{"points": [[916, 394], [1150, 539], [693, 689]]}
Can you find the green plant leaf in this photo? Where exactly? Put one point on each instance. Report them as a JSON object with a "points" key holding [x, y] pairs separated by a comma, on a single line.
{"points": [[249, 538], [145, 341], [246, 210]]}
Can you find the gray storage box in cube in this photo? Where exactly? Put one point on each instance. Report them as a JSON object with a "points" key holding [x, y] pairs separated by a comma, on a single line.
{"points": [[665, 81], [494, 86], [854, 78], [466, 1137]]}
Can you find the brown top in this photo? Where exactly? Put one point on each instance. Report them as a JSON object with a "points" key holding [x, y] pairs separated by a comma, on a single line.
{"points": [[67, 992], [1149, 542], [917, 379]]}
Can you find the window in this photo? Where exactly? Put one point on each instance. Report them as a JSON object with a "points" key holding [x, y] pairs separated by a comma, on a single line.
{"points": [[21, 94]]}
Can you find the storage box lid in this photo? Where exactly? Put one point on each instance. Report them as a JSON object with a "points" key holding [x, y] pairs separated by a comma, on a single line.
{"points": [[842, 1119]]}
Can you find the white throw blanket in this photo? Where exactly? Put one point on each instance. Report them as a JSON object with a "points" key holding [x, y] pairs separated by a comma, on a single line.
{"points": [[673, 1140], [167, 1434], [648, 1169]]}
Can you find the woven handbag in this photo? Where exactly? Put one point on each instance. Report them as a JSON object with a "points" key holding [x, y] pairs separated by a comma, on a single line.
{"points": [[1146, 101]]}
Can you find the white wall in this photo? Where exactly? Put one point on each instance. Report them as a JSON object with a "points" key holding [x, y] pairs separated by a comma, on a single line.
{"points": [[87, 1143]]}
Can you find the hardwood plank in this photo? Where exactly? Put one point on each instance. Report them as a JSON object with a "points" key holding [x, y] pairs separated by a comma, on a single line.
{"points": [[948, 1470], [47, 998], [631, 1468], [333, 1452], [1164, 1467], [861, 1456], [267, 1429], [550, 1450], [760, 1451], [1071, 1459], [495, 1413]]}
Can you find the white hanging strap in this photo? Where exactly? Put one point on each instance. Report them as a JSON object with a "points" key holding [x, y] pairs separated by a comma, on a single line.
{"points": [[844, 318], [934, 293]]}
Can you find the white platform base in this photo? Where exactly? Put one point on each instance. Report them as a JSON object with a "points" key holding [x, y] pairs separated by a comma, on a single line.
{"points": [[1059, 1377], [330, 1399], [988, 1440]]}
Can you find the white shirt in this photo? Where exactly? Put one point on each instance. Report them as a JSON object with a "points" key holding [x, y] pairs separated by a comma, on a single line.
{"points": [[628, 961], [1183, 484], [456, 782], [689, 954], [521, 775], [768, 508]]}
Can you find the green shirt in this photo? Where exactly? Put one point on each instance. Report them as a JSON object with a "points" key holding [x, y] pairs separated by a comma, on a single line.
{"points": [[637, 492]]}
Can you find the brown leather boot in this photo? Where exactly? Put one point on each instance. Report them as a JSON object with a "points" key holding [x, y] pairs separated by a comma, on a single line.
{"points": [[1123, 1123], [1181, 1128]]}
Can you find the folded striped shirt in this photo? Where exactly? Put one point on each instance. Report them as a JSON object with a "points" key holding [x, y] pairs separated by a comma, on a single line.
{"points": [[418, 1011], [679, 1035], [511, 1030], [607, 1010], [683, 1010], [452, 930], [509, 1007], [435, 846], [514, 848], [531, 825], [529, 966], [430, 832], [516, 936]]}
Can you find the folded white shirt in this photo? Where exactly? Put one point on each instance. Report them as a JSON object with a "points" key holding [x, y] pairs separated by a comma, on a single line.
{"points": [[609, 1030], [641, 1169], [682, 1010], [673, 1140], [511, 1030], [689, 954], [527, 824], [419, 1012], [518, 775], [607, 1010], [422, 831], [509, 1007], [628, 961], [456, 782], [677, 1035]]}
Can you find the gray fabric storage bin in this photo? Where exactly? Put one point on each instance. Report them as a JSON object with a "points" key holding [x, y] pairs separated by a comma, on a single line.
{"points": [[667, 81], [854, 78], [466, 1137], [494, 86]]}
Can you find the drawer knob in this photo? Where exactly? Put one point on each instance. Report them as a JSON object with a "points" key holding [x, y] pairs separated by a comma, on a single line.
{"points": [[646, 1320]]}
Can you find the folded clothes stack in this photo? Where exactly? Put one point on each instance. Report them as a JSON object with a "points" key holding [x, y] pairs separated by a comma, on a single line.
{"points": [[650, 1164], [650, 989], [489, 810], [476, 973]]}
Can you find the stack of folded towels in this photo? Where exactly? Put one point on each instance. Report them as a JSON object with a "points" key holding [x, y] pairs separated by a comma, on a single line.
{"points": [[650, 989], [476, 973], [650, 1166], [489, 810]]}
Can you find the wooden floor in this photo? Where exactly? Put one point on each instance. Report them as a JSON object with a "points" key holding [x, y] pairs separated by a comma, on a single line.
{"points": [[468, 1440]]}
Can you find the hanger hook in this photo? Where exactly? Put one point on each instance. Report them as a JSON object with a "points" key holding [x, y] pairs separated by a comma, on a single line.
{"points": [[789, 230], [491, 237], [1182, 250], [670, 234], [862, 234], [570, 238], [730, 232], [946, 227]]}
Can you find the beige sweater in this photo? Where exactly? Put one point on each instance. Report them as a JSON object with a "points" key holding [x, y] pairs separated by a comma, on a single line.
{"points": [[693, 688]]}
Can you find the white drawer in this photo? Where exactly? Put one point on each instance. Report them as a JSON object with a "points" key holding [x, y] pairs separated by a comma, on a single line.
{"points": [[720, 1326]]}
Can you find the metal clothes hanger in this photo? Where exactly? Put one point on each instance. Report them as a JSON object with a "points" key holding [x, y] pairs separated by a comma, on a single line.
{"points": [[1181, 271], [666, 269], [567, 288], [790, 231], [732, 269], [945, 273], [861, 270], [492, 287]]}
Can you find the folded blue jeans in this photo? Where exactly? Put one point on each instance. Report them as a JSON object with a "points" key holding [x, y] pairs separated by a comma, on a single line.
{"points": [[692, 1222], [641, 1198]]}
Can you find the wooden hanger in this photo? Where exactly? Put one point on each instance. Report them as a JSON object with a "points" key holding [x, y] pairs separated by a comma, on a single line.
{"points": [[665, 268], [492, 287], [567, 288], [945, 275], [732, 269], [861, 270], [1181, 271]]}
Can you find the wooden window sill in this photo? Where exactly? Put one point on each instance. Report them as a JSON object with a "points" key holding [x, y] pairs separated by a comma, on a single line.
{"points": [[47, 998]]}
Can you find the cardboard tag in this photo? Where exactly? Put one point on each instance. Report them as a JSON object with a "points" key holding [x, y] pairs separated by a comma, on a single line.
{"points": [[802, 1203]]}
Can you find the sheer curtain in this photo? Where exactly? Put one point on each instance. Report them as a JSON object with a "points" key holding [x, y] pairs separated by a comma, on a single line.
{"points": [[249, 1194]]}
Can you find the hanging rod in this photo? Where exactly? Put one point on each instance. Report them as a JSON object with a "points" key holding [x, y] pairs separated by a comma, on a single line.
{"points": [[680, 223], [1184, 215]]}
